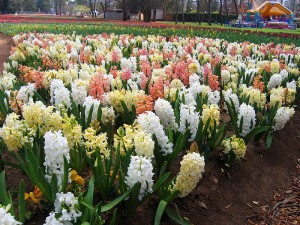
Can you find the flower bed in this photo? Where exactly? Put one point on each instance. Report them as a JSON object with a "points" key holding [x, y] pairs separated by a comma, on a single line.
{"points": [[11, 25], [125, 107]]}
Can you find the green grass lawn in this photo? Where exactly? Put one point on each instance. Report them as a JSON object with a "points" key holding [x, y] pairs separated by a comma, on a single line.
{"points": [[194, 24]]}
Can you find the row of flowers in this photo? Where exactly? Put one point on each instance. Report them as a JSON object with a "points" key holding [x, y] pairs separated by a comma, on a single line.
{"points": [[88, 27], [125, 108], [64, 19]]}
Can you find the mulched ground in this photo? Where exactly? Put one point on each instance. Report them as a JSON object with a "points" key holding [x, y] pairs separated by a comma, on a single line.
{"points": [[284, 207], [262, 189]]}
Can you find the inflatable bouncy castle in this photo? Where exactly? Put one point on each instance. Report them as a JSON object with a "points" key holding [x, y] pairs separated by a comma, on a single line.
{"points": [[270, 14]]}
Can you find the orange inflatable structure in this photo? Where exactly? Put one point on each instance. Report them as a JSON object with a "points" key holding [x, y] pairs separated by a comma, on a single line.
{"points": [[269, 9], [271, 14]]}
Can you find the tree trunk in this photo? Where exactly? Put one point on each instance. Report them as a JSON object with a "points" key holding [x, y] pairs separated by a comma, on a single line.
{"points": [[147, 14], [182, 10], [154, 10], [56, 7], [165, 12], [236, 7], [124, 10], [154, 14], [91, 8], [60, 7], [177, 9], [221, 12], [198, 12], [105, 8], [226, 9], [209, 12], [95, 7]]}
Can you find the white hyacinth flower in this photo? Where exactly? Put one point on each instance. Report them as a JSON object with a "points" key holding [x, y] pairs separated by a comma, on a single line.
{"points": [[246, 112], [140, 171], [150, 123], [56, 147]]}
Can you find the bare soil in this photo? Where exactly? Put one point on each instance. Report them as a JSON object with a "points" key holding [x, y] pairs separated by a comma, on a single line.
{"points": [[5, 45], [225, 196], [234, 196]]}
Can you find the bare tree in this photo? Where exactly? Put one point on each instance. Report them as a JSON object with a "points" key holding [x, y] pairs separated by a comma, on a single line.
{"points": [[182, 10], [165, 3], [226, 9], [56, 7], [154, 6], [198, 12], [236, 7], [221, 12], [124, 8], [104, 6], [177, 9], [209, 12]]}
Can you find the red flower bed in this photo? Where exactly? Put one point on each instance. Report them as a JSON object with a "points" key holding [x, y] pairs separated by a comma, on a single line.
{"points": [[9, 18]]}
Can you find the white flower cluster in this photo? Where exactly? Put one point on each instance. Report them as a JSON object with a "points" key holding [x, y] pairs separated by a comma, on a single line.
{"points": [[291, 85], [6, 218], [189, 119], [284, 74], [225, 75], [249, 73], [150, 123], [229, 96], [66, 210], [275, 80], [140, 171], [246, 112], [7, 81], [191, 169], [56, 147], [165, 112], [143, 143], [60, 95], [129, 64], [283, 115], [79, 91], [26, 92], [188, 96], [108, 115], [213, 97], [88, 102], [51, 220]]}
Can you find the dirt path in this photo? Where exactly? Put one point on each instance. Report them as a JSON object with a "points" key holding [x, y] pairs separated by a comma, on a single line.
{"points": [[5, 45], [226, 197]]}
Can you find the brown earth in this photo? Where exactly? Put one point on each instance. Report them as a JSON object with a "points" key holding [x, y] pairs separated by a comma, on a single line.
{"points": [[234, 196], [225, 196], [5, 46]]}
